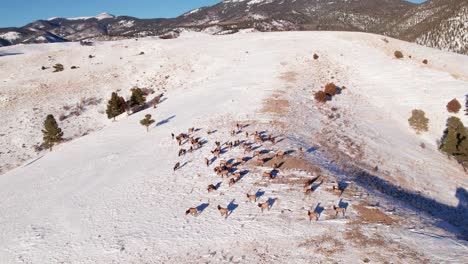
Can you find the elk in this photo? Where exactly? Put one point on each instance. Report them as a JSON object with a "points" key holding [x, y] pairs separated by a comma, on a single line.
{"points": [[216, 152], [308, 191], [232, 181], [239, 160], [256, 153], [224, 211], [191, 130], [252, 197], [339, 209], [179, 141], [233, 132], [260, 162], [224, 173], [258, 139], [193, 211], [172, 135], [246, 134], [247, 149], [338, 190], [236, 143], [229, 166], [267, 174], [229, 145], [280, 154], [217, 169], [207, 162], [197, 144], [222, 162], [239, 127], [176, 166], [312, 215], [218, 144], [209, 132], [211, 188], [182, 152], [275, 166], [264, 205]]}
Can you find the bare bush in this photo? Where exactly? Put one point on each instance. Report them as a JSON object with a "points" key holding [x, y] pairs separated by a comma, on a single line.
{"points": [[331, 89], [316, 56], [398, 54], [424, 61], [321, 96], [453, 106]]}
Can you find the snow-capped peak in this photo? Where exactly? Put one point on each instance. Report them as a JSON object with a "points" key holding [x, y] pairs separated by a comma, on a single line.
{"points": [[98, 17]]}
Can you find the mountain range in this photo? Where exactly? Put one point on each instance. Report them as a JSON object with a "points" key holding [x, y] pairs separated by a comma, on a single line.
{"points": [[440, 24]]}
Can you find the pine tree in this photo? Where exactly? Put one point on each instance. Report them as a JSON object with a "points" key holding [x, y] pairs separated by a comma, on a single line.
{"points": [[418, 121], [455, 140], [115, 106], [147, 121], [466, 104], [52, 133], [137, 98]]}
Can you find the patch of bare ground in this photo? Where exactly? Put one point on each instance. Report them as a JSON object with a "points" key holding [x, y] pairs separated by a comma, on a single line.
{"points": [[289, 76], [358, 238], [371, 215], [275, 106], [325, 245], [294, 163]]}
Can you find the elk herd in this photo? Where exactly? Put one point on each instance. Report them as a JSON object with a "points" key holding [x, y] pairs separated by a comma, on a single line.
{"points": [[231, 168]]}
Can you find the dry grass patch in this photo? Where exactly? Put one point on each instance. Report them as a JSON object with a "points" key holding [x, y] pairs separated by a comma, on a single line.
{"points": [[294, 163], [356, 236], [325, 245], [372, 215], [289, 76], [275, 106]]}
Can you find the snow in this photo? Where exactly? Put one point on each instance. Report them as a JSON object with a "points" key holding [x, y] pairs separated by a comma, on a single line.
{"points": [[98, 17], [10, 36], [111, 196]]}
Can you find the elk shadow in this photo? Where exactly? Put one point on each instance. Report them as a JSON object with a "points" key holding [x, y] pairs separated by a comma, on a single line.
{"points": [[232, 206], [165, 121], [183, 165], [274, 173], [311, 149], [319, 209], [256, 147], [202, 207], [218, 185], [212, 160], [287, 152], [259, 193], [316, 186], [342, 185], [271, 201], [4, 54], [343, 204]]}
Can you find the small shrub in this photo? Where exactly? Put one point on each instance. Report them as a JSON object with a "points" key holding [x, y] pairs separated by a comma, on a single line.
{"points": [[316, 56], [418, 121], [52, 134], [331, 89], [321, 96], [422, 145], [141, 53], [43, 68], [74, 67], [91, 56], [398, 54], [147, 121], [424, 61], [453, 106]]}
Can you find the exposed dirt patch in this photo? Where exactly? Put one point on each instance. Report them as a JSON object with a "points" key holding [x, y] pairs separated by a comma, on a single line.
{"points": [[372, 215], [275, 106], [294, 163], [359, 239], [289, 76], [325, 245]]}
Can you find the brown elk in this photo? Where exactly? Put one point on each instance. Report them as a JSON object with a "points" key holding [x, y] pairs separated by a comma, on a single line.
{"points": [[258, 139], [197, 144], [193, 211], [222, 162], [280, 154], [247, 149], [239, 160], [264, 205], [218, 144], [229, 166], [256, 153], [229, 145], [207, 162], [252, 197], [307, 191], [312, 215], [224, 211], [267, 174], [211, 188], [338, 190], [339, 209], [246, 134], [231, 182], [217, 169], [182, 152], [260, 162], [176, 166], [216, 152], [191, 130], [233, 132], [179, 141], [224, 173], [275, 166], [237, 142]]}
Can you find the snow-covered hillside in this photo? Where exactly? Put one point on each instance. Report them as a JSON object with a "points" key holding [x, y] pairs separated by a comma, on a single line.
{"points": [[110, 195]]}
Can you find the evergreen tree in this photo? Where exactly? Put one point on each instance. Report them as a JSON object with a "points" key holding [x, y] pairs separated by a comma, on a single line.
{"points": [[115, 106], [466, 104], [147, 121], [137, 98], [455, 140], [52, 133], [418, 121]]}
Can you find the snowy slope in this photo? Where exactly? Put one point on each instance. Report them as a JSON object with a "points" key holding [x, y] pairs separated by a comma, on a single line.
{"points": [[111, 196]]}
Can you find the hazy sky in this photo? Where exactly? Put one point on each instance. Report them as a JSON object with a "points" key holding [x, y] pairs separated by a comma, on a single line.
{"points": [[15, 13]]}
